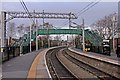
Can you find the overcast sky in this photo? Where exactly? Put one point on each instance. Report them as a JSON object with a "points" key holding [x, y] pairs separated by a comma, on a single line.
{"points": [[92, 15]]}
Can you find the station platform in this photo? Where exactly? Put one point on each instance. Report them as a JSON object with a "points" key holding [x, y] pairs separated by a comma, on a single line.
{"points": [[111, 59], [30, 65], [33, 65], [38, 68], [0, 65]]}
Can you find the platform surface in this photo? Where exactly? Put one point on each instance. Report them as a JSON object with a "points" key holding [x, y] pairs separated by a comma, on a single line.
{"points": [[112, 59], [19, 67]]}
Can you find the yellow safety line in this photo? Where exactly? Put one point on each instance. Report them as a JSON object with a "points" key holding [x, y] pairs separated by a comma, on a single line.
{"points": [[32, 71]]}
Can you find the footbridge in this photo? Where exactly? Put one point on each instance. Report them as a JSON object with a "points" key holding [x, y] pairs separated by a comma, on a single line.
{"points": [[89, 35]]}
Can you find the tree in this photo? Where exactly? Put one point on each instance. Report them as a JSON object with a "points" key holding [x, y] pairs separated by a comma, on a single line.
{"points": [[20, 30], [11, 30], [27, 29], [104, 27]]}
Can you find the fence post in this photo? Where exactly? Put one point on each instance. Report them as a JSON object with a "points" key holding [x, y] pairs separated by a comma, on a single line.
{"points": [[8, 53], [13, 51]]}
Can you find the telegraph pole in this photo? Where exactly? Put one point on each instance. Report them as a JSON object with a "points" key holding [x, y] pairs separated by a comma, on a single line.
{"points": [[83, 36]]}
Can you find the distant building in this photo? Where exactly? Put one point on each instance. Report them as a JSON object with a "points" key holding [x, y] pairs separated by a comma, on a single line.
{"points": [[116, 43]]}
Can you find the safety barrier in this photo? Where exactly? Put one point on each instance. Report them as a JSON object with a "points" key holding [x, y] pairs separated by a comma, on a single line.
{"points": [[9, 52]]}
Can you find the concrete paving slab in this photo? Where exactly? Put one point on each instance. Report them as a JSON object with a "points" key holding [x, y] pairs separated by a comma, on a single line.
{"points": [[18, 67]]}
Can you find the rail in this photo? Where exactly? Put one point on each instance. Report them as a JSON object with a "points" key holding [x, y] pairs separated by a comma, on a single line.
{"points": [[111, 68]]}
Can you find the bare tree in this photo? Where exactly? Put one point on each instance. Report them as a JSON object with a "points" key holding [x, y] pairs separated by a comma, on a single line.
{"points": [[20, 30], [104, 27], [27, 29], [11, 30]]}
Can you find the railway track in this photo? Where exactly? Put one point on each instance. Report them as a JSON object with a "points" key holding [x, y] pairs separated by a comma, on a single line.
{"points": [[93, 70], [63, 63], [56, 69], [109, 68]]}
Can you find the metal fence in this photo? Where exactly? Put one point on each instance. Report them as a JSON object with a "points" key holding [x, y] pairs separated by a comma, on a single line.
{"points": [[9, 52]]}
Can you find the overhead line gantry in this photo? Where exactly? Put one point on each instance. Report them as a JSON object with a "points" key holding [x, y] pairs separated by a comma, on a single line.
{"points": [[11, 15]]}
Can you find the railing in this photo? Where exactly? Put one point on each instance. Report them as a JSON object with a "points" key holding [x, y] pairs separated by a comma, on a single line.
{"points": [[9, 52]]}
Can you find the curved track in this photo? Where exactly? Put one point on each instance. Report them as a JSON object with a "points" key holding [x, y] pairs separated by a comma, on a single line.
{"points": [[93, 70], [63, 63], [57, 70]]}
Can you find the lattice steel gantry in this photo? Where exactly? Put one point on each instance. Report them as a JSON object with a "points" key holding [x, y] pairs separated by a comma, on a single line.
{"points": [[40, 15], [11, 15]]}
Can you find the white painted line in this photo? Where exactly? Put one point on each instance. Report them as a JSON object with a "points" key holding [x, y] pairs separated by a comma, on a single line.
{"points": [[46, 64]]}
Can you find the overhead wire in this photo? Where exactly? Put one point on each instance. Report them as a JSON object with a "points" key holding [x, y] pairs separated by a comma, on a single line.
{"points": [[65, 23], [85, 7], [26, 9], [89, 8], [90, 5]]}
